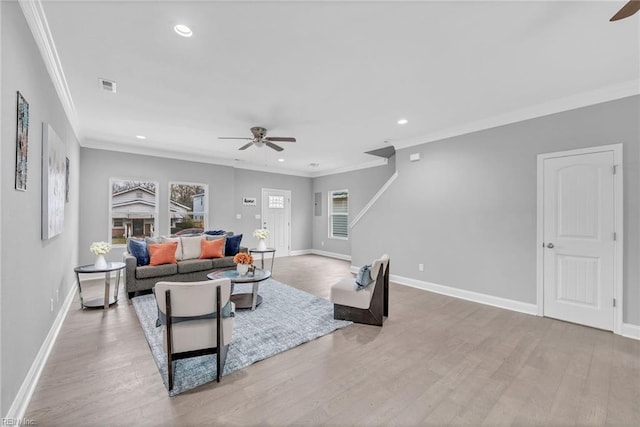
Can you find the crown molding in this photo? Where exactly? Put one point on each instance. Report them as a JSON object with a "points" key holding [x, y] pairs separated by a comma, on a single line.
{"points": [[584, 99], [37, 22]]}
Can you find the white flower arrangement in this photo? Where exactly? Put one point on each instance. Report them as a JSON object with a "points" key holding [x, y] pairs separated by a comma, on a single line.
{"points": [[100, 248], [261, 233]]}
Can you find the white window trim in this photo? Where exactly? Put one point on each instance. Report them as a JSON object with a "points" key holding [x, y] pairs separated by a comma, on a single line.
{"points": [[330, 214], [155, 213], [206, 202]]}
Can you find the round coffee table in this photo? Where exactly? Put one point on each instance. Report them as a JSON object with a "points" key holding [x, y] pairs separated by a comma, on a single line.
{"points": [[245, 300]]}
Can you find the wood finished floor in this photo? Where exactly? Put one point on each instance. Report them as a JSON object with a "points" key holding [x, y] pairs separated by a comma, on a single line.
{"points": [[437, 361]]}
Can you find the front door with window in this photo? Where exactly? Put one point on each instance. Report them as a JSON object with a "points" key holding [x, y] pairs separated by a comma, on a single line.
{"points": [[276, 214]]}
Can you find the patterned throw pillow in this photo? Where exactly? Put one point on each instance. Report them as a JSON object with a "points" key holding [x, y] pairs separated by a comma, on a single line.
{"points": [[212, 248], [164, 253]]}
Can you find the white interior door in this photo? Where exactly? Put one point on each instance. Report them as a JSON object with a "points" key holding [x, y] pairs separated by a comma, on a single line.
{"points": [[276, 214], [578, 238]]}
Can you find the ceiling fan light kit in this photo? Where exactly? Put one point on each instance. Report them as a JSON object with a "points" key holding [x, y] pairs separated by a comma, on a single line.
{"points": [[260, 139]]}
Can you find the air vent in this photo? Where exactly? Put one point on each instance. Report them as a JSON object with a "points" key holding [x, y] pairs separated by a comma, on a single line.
{"points": [[107, 85]]}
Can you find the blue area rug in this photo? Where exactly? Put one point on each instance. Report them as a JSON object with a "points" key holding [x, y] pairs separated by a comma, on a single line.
{"points": [[286, 318]]}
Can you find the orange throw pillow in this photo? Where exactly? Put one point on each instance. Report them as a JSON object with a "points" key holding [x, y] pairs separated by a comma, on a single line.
{"points": [[163, 253], [211, 248]]}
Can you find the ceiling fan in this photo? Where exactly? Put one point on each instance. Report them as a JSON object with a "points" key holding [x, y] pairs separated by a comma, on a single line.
{"points": [[260, 139], [627, 10]]}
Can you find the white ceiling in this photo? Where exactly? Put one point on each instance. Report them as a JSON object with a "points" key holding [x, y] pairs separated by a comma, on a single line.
{"points": [[336, 75]]}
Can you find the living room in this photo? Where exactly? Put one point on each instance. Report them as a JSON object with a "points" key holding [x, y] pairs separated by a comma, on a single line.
{"points": [[463, 204]]}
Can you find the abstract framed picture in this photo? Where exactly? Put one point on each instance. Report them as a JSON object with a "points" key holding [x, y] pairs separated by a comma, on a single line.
{"points": [[66, 181], [53, 182], [22, 143]]}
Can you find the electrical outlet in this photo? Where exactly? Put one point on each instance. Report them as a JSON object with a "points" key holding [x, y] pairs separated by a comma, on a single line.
{"points": [[52, 305], [322, 243], [420, 267]]}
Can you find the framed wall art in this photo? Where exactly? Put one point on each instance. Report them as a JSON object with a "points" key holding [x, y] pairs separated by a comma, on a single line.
{"points": [[53, 182], [22, 143], [66, 181]]}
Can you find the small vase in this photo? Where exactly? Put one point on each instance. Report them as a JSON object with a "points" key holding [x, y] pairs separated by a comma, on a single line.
{"points": [[262, 245], [242, 269], [101, 263]]}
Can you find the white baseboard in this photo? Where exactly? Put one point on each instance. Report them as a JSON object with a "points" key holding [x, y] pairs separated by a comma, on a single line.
{"points": [[21, 402], [330, 254], [509, 304], [630, 331], [300, 252]]}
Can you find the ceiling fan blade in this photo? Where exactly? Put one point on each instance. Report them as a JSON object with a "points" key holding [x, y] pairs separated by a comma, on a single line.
{"points": [[232, 137], [244, 147], [627, 10], [274, 146], [280, 138]]}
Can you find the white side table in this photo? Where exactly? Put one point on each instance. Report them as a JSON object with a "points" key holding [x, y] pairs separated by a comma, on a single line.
{"points": [[108, 300]]}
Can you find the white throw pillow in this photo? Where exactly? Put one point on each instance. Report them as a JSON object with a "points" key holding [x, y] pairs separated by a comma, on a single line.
{"points": [[191, 247], [178, 249]]}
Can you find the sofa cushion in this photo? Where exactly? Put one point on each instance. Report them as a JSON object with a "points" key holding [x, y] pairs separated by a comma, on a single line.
{"points": [[232, 245], [165, 239], [212, 249], [223, 262], [138, 248], [149, 271], [153, 240], [191, 265], [164, 253], [191, 246]]}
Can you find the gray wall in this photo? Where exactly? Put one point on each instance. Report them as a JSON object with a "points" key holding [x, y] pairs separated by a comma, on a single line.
{"points": [[32, 269], [362, 184], [467, 210], [98, 166], [250, 184]]}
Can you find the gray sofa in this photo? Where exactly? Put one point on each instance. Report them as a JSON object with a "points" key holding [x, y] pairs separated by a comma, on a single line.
{"points": [[190, 269], [144, 278]]}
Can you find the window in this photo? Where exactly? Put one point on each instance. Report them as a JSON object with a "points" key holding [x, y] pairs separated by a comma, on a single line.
{"points": [[339, 214], [276, 202], [134, 209], [188, 207]]}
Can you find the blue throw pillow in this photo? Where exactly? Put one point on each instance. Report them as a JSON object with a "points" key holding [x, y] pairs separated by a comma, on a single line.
{"points": [[232, 246], [138, 248], [363, 278], [214, 232]]}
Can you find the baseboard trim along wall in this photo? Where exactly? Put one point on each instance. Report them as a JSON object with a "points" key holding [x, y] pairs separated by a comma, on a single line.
{"points": [[330, 254], [20, 403], [628, 330]]}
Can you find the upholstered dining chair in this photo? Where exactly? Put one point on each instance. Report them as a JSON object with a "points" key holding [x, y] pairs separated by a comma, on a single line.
{"points": [[197, 319], [369, 305]]}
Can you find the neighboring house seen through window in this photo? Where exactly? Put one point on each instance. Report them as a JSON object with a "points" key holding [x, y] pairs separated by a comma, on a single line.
{"points": [[188, 208], [134, 209], [339, 214]]}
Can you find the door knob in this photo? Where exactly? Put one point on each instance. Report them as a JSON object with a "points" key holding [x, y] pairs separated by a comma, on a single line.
{"points": [[550, 245]]}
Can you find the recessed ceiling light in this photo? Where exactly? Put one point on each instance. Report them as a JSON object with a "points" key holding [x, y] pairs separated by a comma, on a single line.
{"points": [[141, 137], [281, 160], [183, 30], [314, 165], [403, 121]]}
